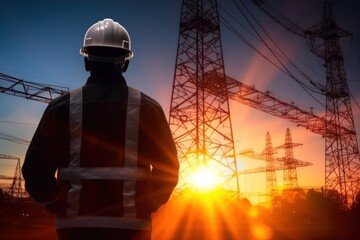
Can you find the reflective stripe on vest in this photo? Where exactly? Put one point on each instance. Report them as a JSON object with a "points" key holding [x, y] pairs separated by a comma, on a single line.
{"points": [[75, 123], [131, 149], [129, 173], [103, 222], [87, 173]]}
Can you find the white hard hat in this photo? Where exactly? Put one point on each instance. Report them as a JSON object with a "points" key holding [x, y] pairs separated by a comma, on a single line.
{"points": [[107, 33]]}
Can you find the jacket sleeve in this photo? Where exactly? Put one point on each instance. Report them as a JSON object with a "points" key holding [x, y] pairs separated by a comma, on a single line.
{"points": [[39, 165], [162, 156]]}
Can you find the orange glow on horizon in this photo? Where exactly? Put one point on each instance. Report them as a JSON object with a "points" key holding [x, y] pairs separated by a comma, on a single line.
{"points": [[216, 215]]}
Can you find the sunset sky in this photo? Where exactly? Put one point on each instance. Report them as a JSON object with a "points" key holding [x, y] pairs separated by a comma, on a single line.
{"points": [[40, 42]]}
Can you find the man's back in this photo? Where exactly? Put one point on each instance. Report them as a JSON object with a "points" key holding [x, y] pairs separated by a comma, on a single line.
{"points": [[110, 146], [91, 133]]}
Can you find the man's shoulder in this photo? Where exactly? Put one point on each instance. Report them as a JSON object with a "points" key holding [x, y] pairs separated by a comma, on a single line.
{"points": [[60, 101], [63, 100], [147, 100]]}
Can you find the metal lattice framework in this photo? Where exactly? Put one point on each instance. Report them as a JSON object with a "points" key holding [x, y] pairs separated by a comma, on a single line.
{"points": [[265, 102], [342, 159], [290, 163], [199, 112], [16, 190], [287, 164], [271, 184], [35, 91]]}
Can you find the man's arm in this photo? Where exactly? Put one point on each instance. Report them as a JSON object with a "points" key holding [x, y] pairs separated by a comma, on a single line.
{"points": [[162, 155], [39, 166]]}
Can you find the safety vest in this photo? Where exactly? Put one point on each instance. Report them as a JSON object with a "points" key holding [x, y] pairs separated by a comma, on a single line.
{"points": [[129, 173]]}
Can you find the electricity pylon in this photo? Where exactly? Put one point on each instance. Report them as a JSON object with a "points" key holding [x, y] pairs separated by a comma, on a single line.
{"points": [[271, 185], [199, 112], [16, 190], [342, 159], [290, 163]]}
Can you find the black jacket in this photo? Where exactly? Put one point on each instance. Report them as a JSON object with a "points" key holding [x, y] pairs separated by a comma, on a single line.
{"points": [[103, 131]]}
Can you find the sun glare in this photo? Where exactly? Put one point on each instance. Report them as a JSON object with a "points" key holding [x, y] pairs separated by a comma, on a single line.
{"points": [[204, 179]]}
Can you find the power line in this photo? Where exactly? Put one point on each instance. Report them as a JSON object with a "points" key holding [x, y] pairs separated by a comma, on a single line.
{"points": [[14, 139], [282, 68], [286, 70], [20, 123]]}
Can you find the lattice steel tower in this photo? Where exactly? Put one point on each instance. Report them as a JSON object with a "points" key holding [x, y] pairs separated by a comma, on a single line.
{"points": [[342, 160], [290, 163], [271, 186], [199, 112], [16, 191]]}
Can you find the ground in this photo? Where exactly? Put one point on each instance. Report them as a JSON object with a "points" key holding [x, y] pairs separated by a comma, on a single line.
{"points": [[178, 221]]}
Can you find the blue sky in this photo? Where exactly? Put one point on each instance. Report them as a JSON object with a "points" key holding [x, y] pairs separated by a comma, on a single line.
{"points": [[40, 42]]}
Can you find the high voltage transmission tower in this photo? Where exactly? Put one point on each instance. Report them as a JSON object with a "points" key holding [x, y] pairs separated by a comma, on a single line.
{"points": [[199, 111], [271, 184], [342, 159], [290, 163], [16, 190]]}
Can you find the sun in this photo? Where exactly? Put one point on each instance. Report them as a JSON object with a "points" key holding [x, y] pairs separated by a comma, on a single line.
{"points": [[204, 179]]}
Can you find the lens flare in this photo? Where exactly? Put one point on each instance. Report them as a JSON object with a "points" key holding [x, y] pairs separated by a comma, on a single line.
{"points": [[204, 179]]}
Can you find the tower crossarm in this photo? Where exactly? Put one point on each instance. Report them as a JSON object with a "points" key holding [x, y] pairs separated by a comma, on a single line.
{"points": [[252, 97], [276, 167], [30, 90], [289, 145], [250, 153], [297, 162]]}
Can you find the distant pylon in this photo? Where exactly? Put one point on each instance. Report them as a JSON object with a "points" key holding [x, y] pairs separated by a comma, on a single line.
{"points": [[271, 185], [290, 163], [199, 112], [16, 190]]}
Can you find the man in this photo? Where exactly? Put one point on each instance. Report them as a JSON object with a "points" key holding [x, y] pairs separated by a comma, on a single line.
{"points": [[110, 145]]}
